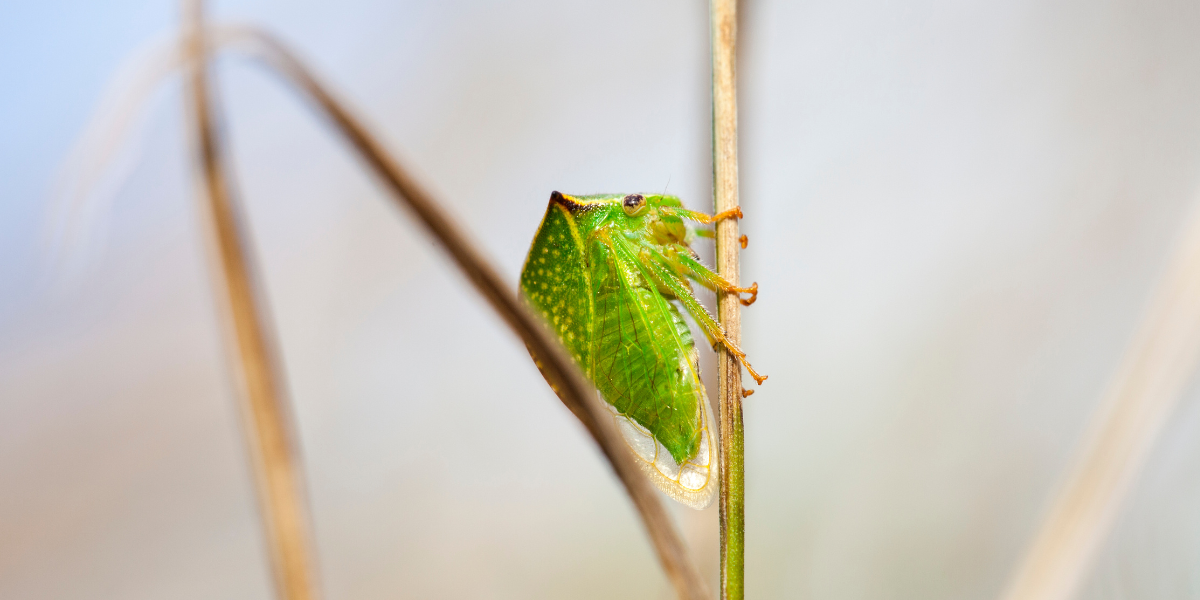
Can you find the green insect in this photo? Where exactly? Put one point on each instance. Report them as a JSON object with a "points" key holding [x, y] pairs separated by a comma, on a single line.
{"points": [[605, 272]]}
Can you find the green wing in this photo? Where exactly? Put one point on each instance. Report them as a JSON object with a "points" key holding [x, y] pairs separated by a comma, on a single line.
{"points": [[642, 350], [555, 283]]}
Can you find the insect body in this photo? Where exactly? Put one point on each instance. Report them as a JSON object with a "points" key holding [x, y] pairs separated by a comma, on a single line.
{"points": [[605, 273]]}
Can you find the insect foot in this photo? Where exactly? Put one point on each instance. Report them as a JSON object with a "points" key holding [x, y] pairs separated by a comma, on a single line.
{"points": [[747, 393], [743, 241], [752, 290], [759, 379], [741, 356], [733, 213]]}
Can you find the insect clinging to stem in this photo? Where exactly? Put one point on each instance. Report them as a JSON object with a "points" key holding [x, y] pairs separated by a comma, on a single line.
{"points": [[606, 272]]}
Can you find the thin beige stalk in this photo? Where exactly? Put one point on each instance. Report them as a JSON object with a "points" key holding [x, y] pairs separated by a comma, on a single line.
{"points": [[573, 389], [1153, 374], [268, 422], [729, 371]]}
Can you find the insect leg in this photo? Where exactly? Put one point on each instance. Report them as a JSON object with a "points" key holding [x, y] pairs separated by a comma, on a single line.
{"points": [[699, 217], [652, 264], [695, 269]]}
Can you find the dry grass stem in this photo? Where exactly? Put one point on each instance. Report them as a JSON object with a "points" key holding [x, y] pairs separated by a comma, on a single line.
{"points": [[101, 157], [729, 371], [573, 389], [1156, 367], [268, 422]]}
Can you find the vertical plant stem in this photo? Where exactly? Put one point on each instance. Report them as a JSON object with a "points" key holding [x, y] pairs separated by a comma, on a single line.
{"points": [[268, 423], [1153, 375], [729, 371]]}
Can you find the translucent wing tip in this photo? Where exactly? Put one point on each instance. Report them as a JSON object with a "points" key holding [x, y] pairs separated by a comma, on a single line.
{"points": [[694, 483]]}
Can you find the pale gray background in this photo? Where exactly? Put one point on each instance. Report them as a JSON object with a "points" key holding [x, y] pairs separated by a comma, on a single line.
{"points": [[956, 210]]}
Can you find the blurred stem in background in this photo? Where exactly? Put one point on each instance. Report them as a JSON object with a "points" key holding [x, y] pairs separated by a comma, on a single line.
{"points": [[267, 418], [729, 371], [1153, 375]]}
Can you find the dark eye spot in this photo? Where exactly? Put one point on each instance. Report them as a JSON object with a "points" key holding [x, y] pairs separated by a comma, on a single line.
{"points": [[633, 203]]}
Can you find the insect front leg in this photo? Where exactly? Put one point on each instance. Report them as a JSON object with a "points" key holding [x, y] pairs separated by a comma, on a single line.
{"points": [[682, 259], [699, 217]]}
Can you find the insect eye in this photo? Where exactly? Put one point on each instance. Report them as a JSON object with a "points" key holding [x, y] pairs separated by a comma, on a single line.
{"points": [[633, 203]]}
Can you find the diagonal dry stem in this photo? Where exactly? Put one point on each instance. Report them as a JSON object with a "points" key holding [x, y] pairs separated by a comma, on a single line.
{"points": [[268, 423], [572, 388], [1153, 374]]}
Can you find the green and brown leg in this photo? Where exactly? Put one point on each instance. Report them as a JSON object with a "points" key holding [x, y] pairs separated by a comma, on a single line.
{"points": [[699, 217], [688, 264], [657, 268]]}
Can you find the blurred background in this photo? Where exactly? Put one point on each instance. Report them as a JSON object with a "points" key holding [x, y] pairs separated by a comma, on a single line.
{"points": [[957, 213]]}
